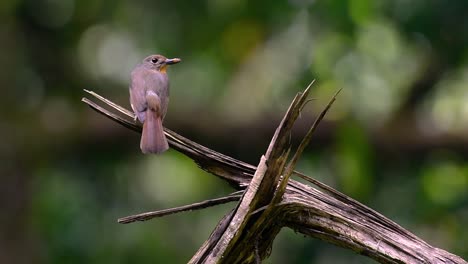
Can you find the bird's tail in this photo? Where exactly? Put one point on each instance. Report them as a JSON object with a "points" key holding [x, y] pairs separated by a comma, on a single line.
{"points": [[153, 139]]}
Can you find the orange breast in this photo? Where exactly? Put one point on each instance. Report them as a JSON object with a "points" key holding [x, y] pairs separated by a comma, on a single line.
{"points": [[163, 69]]}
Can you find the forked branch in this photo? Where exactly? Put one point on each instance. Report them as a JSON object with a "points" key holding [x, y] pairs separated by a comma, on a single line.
{"points": [[270, 201]]}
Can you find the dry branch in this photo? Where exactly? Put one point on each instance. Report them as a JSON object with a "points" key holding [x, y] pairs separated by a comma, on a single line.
{"points": [[271, 201], [195, 206]]}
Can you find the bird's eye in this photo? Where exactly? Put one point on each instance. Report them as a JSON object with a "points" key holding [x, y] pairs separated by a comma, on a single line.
{"points": [[154, 60]]}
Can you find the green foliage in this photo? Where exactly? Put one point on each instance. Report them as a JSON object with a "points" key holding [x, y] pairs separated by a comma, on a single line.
{"points": [[69, 173], [354, 161]]}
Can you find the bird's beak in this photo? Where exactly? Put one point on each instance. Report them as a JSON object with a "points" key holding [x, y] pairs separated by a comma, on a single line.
{"points": [[172, 61]]}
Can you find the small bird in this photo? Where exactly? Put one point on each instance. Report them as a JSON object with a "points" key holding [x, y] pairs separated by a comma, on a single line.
{"points": [[149, 98]]}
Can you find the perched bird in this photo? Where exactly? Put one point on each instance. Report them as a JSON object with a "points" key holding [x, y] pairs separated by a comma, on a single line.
{"points": [[149, 97]]}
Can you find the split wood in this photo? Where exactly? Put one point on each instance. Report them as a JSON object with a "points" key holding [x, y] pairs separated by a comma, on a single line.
{"points": [[268, 200]]}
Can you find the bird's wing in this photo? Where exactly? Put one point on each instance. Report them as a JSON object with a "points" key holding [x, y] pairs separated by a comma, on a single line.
{"points": [[158, 83], [138, 92]]}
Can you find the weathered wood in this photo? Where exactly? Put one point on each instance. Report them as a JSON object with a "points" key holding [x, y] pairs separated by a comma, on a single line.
{"points": [[234, 244], [318, 211], [191, 207]]}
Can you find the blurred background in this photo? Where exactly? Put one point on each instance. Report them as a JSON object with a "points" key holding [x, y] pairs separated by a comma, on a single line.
{"points": [[396, 139]]}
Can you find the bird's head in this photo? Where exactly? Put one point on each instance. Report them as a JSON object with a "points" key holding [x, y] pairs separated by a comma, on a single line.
{"points": [[159, 62]]}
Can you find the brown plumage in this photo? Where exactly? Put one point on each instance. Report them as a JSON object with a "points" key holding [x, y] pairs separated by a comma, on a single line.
{"points": [[149, 98]]}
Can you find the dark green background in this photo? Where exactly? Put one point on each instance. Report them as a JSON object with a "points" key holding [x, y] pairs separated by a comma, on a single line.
{"points": [[396, 139]]}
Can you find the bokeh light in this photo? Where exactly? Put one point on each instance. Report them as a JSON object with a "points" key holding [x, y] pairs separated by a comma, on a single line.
{"points": [[396, 138]]}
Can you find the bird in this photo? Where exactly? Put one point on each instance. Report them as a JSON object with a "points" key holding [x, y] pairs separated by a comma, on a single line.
{"points": [[149, 98]]}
